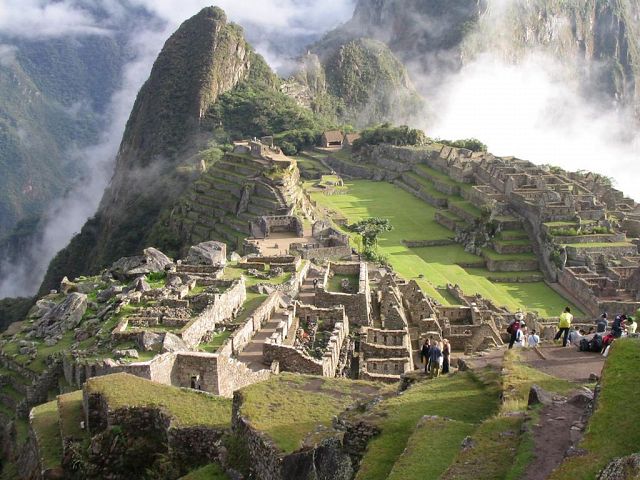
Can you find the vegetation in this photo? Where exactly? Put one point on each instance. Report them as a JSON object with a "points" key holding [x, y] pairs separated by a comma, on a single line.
{"points": [[210, 472], [188, 408], [369, 230], [462, 398], [472, 144], [269, 406], [613, 428], [47, 431], [71, 414], [13, 310], [386, 133]]}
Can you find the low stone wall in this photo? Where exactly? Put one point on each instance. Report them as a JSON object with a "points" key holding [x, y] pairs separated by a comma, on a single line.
{"points": [[412, 186], [506, 249], [494, 265], [386, 369], [447, 222], [224, 307], [321, 254], [350, 169], [427, 243], [574, 253], [585, 239]]}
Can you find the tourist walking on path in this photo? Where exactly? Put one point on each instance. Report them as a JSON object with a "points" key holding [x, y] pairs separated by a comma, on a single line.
{"points": [[435, 355], [563, 325], [514, 329], [446, 356], [618, 325], [602, 324], [533, 340], [424, 354], [632, 326]]}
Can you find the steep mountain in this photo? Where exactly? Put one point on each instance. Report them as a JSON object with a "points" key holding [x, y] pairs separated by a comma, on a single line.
{"points": [[53, 95], [597, 39], [360, 81], [167, 139]]}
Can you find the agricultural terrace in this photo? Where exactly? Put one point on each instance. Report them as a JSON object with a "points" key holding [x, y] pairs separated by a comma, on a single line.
{"points": [[414, 220]]}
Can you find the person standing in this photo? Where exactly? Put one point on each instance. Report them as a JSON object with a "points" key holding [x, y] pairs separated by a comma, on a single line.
{"points": [[533, 340], [632, 326], [602, 324], [563, 326], [435, 355], [424, 354], [514, 329], [446, 356]]}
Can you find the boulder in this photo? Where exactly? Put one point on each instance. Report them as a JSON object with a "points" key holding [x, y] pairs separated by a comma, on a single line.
{"points": [[141, 285], [63, 317], [107, 294], [128, 353], [67, 286], [41, 308], [173, 343], [624, 468], [581, 399], [151, 260], [539, 396], [327, 460], [149, 341], [235, 257], [208, 253]]}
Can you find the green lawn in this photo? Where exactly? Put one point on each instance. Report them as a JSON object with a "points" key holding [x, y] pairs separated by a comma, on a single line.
{"points": [[413, 219], [613, 428], [47, 431], [289, 408], [462, 398], [335, 282], [71, 414], [210, 472], [188, 408]]}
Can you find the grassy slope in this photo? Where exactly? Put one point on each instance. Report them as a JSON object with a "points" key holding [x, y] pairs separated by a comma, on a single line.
{"points": [[290, 407], [413, 219], [210, 472], [47, 431], [461, 397], [613, 429], [500, 449], [188, 407]]}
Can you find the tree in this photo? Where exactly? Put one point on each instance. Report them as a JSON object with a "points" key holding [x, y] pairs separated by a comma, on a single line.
{"points": [[369, 229]]}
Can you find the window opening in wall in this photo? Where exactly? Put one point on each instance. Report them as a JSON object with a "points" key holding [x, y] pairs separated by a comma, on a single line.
{"points": [[195, 382]]}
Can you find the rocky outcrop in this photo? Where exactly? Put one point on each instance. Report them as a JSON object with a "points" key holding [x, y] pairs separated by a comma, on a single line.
{"points": [[207, 253], [63, 317], [625, 468], [151, 260]]}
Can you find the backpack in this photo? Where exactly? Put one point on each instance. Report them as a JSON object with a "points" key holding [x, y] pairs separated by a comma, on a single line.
{"points": [[584, 345], [514, 327], [596, 344]]}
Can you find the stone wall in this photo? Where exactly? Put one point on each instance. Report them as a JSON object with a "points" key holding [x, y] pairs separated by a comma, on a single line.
{"points": [[320, 254], [225, 305], [357, 306]]}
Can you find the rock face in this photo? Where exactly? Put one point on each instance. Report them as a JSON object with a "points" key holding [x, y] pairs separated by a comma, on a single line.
{"points": [[625, 468], [203, 59], [152, 260], [208, 253], [63, 317], [538, 396]]}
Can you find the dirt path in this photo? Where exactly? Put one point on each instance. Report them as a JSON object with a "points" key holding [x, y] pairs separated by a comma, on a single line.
{"points": [[565, 362], [552, 436]]}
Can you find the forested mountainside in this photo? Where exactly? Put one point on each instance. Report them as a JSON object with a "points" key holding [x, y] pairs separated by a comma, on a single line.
{"points": [[598, 39], [53, 95]]}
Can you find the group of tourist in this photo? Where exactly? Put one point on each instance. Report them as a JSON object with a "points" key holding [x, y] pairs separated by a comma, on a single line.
{"points": [[519, 333], [436, 356], [597, 338]]}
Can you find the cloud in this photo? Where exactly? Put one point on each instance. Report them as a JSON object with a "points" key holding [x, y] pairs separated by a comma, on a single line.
{"points": [[43, 18]]}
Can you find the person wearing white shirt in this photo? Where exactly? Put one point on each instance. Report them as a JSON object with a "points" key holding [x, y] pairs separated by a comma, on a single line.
{"points": [[533, 340]]}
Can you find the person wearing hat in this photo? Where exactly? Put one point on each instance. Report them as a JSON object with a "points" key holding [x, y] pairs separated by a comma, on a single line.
{"points": [[602, 323]]}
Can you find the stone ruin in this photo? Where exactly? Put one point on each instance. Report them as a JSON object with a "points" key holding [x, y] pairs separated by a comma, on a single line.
{"points": [[329, 243]]}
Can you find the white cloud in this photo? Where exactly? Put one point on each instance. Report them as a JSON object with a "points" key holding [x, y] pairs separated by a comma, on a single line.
{"points": [[529, 110]]}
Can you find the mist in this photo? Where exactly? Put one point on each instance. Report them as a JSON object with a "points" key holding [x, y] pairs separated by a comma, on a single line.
{"points": [[279, 28], [531, 111]]}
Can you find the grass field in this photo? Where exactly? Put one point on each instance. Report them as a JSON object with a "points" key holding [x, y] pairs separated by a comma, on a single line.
{"points": [[413, 219]]}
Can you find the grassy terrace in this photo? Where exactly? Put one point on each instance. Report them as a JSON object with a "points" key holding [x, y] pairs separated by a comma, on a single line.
{"points": [[599, 245], [414, 219], [47, 431], [188, 408], [71, 414], [335, 282], [399, 451], [292, 409], [613, 428]]}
